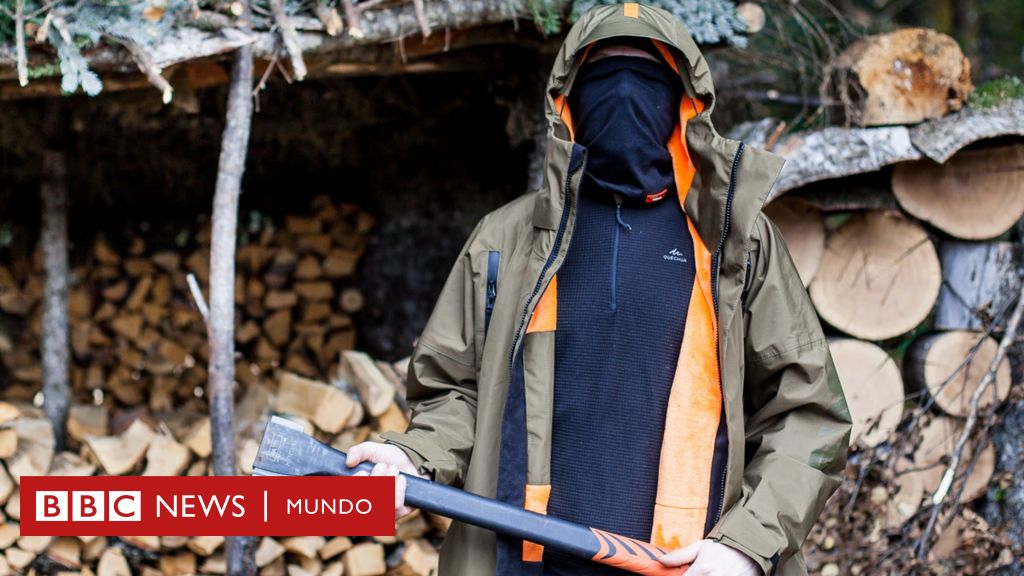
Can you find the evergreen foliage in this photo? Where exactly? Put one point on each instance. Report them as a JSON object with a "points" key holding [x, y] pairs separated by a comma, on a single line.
{"points": [[71, 27]]}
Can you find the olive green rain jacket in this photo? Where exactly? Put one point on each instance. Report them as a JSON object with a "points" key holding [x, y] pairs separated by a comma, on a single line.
{"points": [[757, 426]]}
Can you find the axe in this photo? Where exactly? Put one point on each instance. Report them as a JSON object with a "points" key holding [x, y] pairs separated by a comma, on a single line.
{"points": [[286, 450]]}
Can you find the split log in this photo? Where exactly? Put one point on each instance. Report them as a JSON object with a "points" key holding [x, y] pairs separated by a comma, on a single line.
{"points": [[205, 545], [35, 448], [268, 551], [335, 546], [8, 442], [113, 563], [70, 464], [180, 564], [949, 365], [165, 457], [375, 389], [873, 388], [122, 453], [803, 229], [328, 407], [901, 77], [366, 559], [978, 194], [418, 559], [87, 420], [306, 546], [879, 277], [979, 282]]}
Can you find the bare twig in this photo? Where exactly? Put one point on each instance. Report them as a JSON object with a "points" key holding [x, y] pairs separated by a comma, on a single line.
{"points": [[421, 17], [221, 326], [330, 18], [19, 42], [289, 39], [352, 15], [148, 68], [198, 298], [972, 419]]}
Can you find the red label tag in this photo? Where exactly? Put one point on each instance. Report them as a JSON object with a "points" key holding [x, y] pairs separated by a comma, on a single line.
{"points": [[655, 197], [207, 506]]}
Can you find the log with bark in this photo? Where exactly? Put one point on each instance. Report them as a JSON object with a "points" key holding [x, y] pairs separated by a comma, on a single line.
{"points": [[979, 281], [901, 77], [879, 277], [978, 194], [948, 367]]}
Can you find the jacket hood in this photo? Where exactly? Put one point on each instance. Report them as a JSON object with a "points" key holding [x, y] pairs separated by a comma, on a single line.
{"points": [[712, 155]]}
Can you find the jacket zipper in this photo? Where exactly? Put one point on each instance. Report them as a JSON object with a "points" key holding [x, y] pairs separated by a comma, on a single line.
{"points": [[551, 257], [493, 262], [714, 297]]}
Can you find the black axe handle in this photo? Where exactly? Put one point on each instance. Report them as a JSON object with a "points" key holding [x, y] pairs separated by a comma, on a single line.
{"points": [[288, 451]]}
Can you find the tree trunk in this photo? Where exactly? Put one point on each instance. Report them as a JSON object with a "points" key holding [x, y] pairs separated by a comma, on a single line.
{"points": [[221, 327], [53, 341]]}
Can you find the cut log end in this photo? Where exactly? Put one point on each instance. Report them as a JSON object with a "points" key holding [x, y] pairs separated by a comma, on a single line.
{"points": [[803, 229], [879, 277], [978, 194], [950, 365], [873, 388]]}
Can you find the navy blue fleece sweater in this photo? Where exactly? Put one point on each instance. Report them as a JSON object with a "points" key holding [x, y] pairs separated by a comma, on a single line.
{"points": [[623, 293]]}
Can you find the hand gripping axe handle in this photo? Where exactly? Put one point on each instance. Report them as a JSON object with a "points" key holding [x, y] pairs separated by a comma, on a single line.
{"points": [[288, 451]]}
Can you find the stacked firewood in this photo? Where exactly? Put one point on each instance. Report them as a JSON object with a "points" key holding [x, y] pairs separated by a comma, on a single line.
{"points": [[916, 280], [138, 336], [362, 399], [138, 358]]}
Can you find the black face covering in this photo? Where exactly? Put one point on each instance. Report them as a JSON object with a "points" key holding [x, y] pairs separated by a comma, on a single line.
{"points": [[624, 109]]}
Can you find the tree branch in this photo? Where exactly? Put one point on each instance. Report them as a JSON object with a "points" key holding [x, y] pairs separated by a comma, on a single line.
{"points": [[972, 419], [288, 38]]}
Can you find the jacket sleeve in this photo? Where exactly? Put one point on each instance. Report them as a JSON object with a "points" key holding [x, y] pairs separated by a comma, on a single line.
{"points": [[441, 382], [797, 421]]}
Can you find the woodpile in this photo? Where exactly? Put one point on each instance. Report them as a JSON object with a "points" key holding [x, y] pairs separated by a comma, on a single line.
{"points": [[137, 337], [902, 77], [138, 375], [340, 411]]}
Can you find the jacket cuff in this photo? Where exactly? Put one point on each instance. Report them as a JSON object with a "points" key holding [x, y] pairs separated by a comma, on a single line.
{"points": [[425, 455], [740, 530]]}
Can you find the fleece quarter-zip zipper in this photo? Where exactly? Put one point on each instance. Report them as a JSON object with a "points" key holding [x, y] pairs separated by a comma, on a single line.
{"points": [[614, 275], [715, 263]]}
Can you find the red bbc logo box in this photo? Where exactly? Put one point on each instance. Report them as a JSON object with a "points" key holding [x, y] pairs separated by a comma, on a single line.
{"points": [[88, 506]]}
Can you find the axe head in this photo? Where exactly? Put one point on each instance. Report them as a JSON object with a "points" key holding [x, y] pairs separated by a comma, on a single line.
{"points": [[286, 450]]}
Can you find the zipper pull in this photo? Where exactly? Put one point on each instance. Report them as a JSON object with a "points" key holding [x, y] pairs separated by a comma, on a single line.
{"points": [[618, 212]]}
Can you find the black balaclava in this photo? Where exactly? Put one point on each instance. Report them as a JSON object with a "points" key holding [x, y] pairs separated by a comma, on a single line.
{"points": [[624, 110]]}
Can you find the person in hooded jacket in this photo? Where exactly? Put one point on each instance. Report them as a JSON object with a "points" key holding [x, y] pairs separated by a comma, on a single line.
{"points": [[630, 347]]}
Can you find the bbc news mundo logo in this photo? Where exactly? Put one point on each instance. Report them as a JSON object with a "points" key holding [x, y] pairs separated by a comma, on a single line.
{"points": [[207, 506]]}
